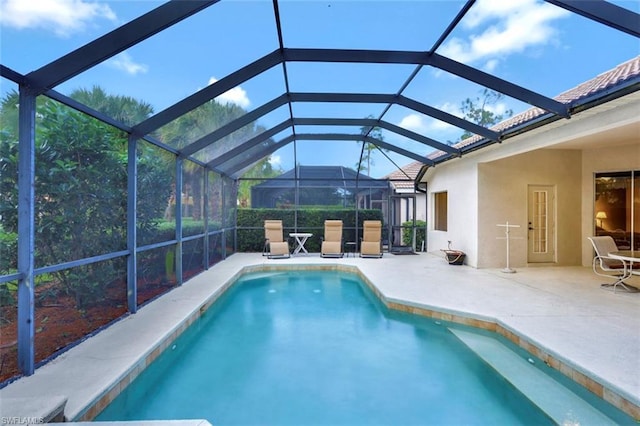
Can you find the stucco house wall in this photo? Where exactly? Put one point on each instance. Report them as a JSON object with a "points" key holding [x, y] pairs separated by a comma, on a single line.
{"points": [[459, 179], [503, 188], [489, 186]]}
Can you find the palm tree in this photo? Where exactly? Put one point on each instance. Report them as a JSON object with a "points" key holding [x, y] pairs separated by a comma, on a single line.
{"points": [[124, 109], [196, 124], [375, 132], [259, 172]]}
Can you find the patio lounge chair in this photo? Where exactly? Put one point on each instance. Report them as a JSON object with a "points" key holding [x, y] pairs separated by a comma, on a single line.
{"points": [[274, 244], [371, 244], [606, 266], [332, 240]]}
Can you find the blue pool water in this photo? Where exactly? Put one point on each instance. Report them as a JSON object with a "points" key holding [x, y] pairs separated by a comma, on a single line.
{"points": [[317, 348]]}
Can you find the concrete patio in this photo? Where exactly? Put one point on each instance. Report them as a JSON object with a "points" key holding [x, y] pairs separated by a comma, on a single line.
{"points": [[559, 313]]}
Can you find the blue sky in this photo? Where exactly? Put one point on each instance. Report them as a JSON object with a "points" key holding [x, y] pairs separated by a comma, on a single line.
{"points": [[530, 43]]}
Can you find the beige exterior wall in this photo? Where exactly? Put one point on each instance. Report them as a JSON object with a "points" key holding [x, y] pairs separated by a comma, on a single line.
{"points": [[459, 179], [503, 197], [489, 186]]}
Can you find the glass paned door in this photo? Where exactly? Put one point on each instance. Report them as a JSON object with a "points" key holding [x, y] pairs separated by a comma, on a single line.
{"points": [[616, 208], [541, 247]]}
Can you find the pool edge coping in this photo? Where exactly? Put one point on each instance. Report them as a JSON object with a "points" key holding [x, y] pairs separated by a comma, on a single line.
{"points": [[596, 385]]}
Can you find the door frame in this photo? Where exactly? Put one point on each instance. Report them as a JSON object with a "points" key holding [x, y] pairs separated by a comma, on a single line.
{"points": [[550, 254], [395, 226]]}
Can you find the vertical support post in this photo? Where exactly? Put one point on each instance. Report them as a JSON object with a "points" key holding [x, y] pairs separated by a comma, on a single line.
{"points": [[132, 215], [178, 257], [234, 219], [412, 201], [26, 230], [223, 237], [356, 231], [296, 191], [633, 231], [426, 222], [205, 213]]}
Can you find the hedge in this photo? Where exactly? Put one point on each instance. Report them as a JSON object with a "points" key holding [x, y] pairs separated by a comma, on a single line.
{"points": [[420, 233], [251, 225]]}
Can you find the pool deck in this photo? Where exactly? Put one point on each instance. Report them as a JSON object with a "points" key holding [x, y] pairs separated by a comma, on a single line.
{"points": [[560, 313]]}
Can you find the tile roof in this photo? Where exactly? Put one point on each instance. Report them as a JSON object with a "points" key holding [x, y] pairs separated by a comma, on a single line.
{"points": [[410, 171], [601, 84]]}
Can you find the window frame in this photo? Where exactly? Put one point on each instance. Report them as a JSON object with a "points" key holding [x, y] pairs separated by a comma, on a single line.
{"points": [[440, 210]]}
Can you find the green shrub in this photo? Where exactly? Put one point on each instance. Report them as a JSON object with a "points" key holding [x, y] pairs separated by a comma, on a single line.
{"points": [[420, 233], [81, 196], [8, 293], [251, 224], [8, 252]]}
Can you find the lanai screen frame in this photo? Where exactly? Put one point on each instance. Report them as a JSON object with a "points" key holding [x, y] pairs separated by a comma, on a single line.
{"points": [[44, 80]]}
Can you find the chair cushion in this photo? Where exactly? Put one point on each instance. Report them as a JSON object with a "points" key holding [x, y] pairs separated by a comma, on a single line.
{"points": [[372, 230], [273, 230], [278, 249], [333, 230], [612, 263], [331, 247], [370, 248]]}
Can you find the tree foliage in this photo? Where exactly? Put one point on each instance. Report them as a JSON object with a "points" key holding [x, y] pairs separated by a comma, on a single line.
{"points": [[479, 110], [367, 157], [258, 173], [199, 122], [80, 193], [81, 182], [124, 109], [202, 121], [194, 125]]}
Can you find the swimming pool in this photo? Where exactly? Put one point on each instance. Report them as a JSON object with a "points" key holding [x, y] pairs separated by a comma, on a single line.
{"points": [[317, 347]]}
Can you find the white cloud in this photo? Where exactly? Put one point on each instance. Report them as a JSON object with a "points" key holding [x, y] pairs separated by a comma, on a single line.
{"points": [[424, 124], [275, 160], [490, 65], [125, 62], [509, 27], [63, 17], [485, 10], [413, 122], [237, 95], [498, 109]]}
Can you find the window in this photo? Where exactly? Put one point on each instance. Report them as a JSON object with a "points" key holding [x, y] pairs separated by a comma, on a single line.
{"points": [[616, 212], [440, 211]]}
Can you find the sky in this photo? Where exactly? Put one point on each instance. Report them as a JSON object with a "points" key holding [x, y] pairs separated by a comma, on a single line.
{"points": [[531, 43]]}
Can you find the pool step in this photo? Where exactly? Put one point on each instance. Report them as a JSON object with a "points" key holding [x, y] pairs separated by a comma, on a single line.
{"points": [[559, 403], [260, 275]]}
